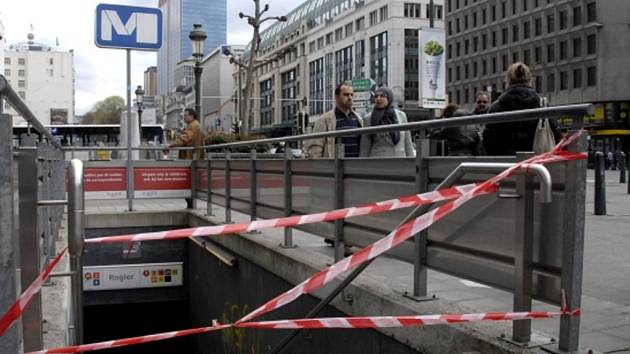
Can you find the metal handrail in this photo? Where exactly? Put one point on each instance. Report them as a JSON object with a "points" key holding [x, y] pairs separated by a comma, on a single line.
{"points": [[22, 109], [501, 117]]}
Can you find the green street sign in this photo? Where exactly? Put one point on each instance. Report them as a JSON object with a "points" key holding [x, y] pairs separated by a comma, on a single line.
{"points": [[361, 85]]}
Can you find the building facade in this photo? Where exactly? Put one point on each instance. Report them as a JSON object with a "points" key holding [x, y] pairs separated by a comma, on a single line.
{"points": [[44, 78], [2, 44], [179, 17], [150, 81], [577, 50], [335, 41]]}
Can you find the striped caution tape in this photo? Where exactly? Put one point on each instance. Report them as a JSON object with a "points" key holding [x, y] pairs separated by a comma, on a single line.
{"points": [[16, 310], [292, 221]]}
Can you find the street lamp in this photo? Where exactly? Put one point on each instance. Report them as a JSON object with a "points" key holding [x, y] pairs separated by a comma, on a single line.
{"points": [[198, 40], [140, 102]]}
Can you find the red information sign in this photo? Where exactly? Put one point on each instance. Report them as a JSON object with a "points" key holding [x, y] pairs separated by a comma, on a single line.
{"points": [[162, 182], [105, 182]]}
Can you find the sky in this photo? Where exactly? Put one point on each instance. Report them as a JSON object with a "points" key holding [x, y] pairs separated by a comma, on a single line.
{"points": [[101, 73]]}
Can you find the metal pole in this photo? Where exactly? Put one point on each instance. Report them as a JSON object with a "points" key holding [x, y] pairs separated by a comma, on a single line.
{"points": [[622, 167], [253, 184], [628, 165], [431, 14], [10, 341], [338, 200], [600, 184], [130, 186], [76, 231], [198, 71], [288, 197], [228, 188], [209, 186], [420, 240]]}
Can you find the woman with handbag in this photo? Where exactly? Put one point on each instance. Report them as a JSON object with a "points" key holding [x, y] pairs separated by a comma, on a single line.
{"points": [[502, 139]]}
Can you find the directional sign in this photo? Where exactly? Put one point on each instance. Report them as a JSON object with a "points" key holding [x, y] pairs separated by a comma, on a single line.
{"points": [[133, 276], [361, 85], [362, 96], [128, 27]]}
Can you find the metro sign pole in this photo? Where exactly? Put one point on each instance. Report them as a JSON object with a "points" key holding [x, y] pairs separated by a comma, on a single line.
{"points": [[129, 28]]}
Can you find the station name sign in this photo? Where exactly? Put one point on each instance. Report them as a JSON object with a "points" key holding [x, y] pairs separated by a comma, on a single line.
{"points": [[133, 276]]}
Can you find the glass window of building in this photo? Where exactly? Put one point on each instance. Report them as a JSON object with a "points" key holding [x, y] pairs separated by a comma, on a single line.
{"points": [[474, 17], [320, 43], [466, 71], [494, 13], [312, 47], [538, 83], [550, 24], [21, 61], [591, 76], [577, 16], [343, 65], [564, 48], [538, 55], [458, 28], [450, 27], [338, 34], [7, 61], [373, 18], [7, 72], [591, 44], [329, 93], [484, 67], [412, 10], [503, 9], [514, 57], [551, 82], [450, 74], [484, 41], [266, 102], [526, 30], [504, 36], [290, 88], [504, 62], [411, 65], [349, 29], [577, 78], [525, 5], [514, 7], [21, 83], [360, 23], [475, 69], [316, 86], [484, 16], [439, 12], [21, 73], [494, 65], [564, 80], [475, 44], [551, 55], [466, 46], [564, 21], [359, 49], [515, 33], [591, 12], [527, 57], [449, 51], [378, 58], [458, 48], [577, 47], [538, 26], [329, 38], [465, 22], [50, 61], [383, 13], [458, 73], [458, 96]]}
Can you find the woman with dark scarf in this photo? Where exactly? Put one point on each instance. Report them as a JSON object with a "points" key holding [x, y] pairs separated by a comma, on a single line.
{"points": [[391, 144]]}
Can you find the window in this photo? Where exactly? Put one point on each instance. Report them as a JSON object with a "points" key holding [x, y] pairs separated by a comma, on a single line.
{"points": [[440, 11], [527, 57], [526, 30], [343, 65], [383, 13], [551, 83], [577, 47], [577, 16], [329, 64], [591, 44], [514, 57], [475, 44], [474, 17], [21, 61], [458, 48], [457, 26], [349, 30], [329, 38], [484, 67], [563, 19], [503, 9], [525, 5], [538, 26], [484, 16], [465, 22], [373, 18], [514, 7], [484, 41], [577, 78], [564, 80], [21, 73], [412, 10], [312, 47], [449, 52], [550, 53], [550, 24], [450, 74], [378, 59], [359, 50], [466, 46], [21, 83], [7, 72], [320, 43], [450, 27], [591, 12], [494, 13], [50, 61], [290, 88], [494, 65], [266, 102], [466, 71], [564, 48], [475, 69], [515, 33], [360, 24], [504, 62], [591, 76], [504, 36], [338, 34], [458, 75], [494, 38], [538, 55], [7, 61], [316, 82]]}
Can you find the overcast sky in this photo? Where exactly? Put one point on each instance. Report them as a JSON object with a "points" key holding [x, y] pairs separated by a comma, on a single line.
{"points": [[101, 72]]}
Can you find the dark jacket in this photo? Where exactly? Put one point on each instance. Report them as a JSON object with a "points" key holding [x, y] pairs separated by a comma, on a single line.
{"points": [[501, 139], [461, 140]]}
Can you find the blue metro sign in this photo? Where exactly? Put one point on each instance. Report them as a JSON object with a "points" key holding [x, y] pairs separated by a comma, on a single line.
{"points": [[128, 27]]}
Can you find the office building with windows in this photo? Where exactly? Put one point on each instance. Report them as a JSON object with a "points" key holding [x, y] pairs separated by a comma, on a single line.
{"points": [[329, 42], [577, 50], [179, 17], [44, 78]]}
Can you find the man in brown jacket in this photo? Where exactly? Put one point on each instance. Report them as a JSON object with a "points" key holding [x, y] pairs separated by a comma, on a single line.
{"points": [[193, 136]]}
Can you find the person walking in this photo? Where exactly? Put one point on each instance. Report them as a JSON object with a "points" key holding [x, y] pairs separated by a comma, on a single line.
{"points": [[390, 144], [342, 117], [461, 140], [501, 139]]}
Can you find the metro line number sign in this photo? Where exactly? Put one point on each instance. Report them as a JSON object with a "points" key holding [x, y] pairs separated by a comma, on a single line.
{"points": [[128, 27]]}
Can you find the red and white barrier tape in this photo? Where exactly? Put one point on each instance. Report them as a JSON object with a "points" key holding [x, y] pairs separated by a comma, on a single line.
{"points": [[403, 321], [16, 310], [405, 232], [291, 221]]}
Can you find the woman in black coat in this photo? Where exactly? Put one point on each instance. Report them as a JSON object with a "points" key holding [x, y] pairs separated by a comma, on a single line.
{"points": [[502, 139]]}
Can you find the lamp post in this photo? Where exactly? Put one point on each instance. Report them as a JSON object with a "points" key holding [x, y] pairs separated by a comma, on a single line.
{"points": [[198, 40], [140, 103]]}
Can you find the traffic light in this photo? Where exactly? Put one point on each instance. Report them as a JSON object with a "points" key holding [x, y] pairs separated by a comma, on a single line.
{"points": [[236, 130]]}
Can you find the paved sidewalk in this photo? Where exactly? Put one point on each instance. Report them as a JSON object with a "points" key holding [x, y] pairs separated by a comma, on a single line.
{"points": [[605, 323]]}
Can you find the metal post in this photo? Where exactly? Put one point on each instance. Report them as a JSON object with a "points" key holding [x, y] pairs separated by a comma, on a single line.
{"points": [[228, 188], [622, 167], [628, 165], [600, 184], [10, 341], [130, 186], [338, 200], [30, 249], [420, 240], [523, 256], [76, 231], [573, 244], [253, 184], [198, 70], [288, 196], [431, 14], [209, 186], [193, 183]]}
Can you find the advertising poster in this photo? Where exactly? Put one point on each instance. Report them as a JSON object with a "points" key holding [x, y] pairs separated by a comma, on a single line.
{"points": [[105, 183], [432, 68], [162, 182]]}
